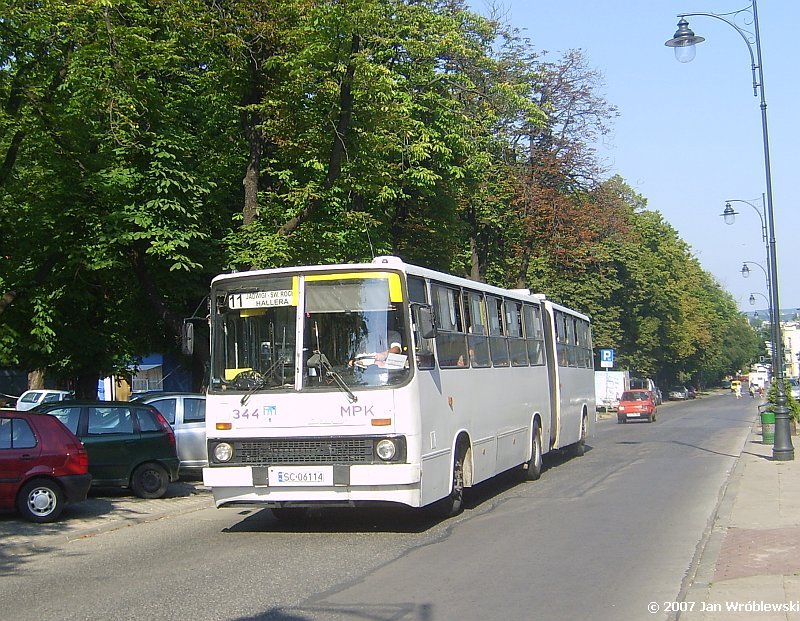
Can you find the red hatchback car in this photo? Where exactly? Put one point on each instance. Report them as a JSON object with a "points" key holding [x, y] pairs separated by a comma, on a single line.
{"points": [[43, 466], [636, 405]]}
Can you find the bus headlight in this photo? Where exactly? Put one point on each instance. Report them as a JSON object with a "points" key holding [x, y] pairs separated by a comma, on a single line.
{"points": [[223, 452], [386, 449]]}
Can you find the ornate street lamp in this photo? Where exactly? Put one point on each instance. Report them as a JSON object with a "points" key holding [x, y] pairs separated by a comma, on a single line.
{"points": [[683, 43]]}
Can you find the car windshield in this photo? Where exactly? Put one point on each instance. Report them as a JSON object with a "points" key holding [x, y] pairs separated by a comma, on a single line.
{"points": [[635, 395]]}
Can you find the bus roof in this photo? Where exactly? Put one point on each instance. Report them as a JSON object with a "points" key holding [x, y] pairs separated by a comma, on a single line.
{"points": [[396, 263]]}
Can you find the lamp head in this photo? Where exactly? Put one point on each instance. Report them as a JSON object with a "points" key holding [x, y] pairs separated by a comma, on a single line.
{"points": [[752, 300], [745, 271], [729, 215], [683, 42]]}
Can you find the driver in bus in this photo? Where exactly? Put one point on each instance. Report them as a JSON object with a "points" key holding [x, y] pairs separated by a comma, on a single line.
{"points": [[379, 358]]}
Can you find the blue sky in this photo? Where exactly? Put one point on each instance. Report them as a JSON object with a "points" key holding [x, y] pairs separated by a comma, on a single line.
{"points": [[689, 136]]}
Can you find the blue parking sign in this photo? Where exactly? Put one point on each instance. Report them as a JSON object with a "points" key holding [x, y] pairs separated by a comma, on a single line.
{"points": [[606, 357]]}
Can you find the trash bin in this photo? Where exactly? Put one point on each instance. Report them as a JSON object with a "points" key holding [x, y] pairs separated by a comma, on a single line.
{"points": [[767, 427]]}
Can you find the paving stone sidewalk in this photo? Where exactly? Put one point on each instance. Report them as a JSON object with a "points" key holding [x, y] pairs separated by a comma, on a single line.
{"points": [[750, 566], [104, 510]]}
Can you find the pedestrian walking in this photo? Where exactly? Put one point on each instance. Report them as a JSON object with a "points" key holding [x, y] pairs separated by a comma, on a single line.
{"points": [[738, 391]]}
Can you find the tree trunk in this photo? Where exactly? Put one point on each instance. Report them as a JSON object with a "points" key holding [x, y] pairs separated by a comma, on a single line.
{"points": [[339, 139], [36, 379]]}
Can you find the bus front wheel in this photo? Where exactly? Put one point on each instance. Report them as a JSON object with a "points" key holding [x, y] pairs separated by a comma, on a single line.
{"points": [[453, 504]]}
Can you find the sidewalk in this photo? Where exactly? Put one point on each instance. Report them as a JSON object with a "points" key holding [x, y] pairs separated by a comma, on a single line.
{"points": [[750, 565], [103, 511]]}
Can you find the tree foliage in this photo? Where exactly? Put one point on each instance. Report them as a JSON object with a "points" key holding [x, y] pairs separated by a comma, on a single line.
{"points": [[147, 145]]}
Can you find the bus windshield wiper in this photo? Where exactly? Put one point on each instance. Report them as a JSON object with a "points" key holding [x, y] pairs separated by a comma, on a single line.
{"points": [[320, 361], [263, 379]]}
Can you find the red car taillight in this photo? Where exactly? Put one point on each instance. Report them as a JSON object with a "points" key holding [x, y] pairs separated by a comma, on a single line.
{"points": [[166, 427], [77, 460]]}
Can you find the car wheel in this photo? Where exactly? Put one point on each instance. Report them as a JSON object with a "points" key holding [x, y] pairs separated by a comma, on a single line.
{"points": [[150, 480], [40, 501]]}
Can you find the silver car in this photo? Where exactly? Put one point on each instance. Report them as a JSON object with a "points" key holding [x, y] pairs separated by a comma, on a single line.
{"points": [[186, 412]]}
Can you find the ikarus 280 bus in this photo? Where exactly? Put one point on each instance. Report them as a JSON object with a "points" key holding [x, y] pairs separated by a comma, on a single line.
{"points": [[339, 385]]}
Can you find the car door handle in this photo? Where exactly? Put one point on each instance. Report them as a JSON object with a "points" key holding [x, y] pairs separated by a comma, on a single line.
{"points": [[26, 457]]}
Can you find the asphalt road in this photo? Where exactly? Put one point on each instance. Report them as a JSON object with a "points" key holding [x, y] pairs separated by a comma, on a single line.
{"points": [[598, 537]]}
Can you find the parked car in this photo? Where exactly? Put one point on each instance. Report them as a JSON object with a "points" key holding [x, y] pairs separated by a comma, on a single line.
{"points": [[129, 445], [186, 413], [31, 398], [794, 387], [691, 392], [637, 405], [43, 465], [677, 393]]}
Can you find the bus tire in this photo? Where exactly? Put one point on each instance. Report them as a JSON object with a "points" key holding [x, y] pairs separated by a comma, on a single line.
{"points": [[453, 504], [532, 469], [579, 448]]}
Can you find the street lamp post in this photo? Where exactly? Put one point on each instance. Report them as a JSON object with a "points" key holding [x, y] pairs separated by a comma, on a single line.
{"points": [[729, 215], [683, 43]]}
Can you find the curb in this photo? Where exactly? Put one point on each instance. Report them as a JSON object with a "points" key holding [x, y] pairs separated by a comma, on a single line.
{"points": [[698, 581]]}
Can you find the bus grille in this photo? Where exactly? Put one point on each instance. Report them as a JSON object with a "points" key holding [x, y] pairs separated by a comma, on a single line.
{"points": [[305, 451]]}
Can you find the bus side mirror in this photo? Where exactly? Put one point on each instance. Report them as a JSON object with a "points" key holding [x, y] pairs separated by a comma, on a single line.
{"points": [[187, 338], [425, 323]]}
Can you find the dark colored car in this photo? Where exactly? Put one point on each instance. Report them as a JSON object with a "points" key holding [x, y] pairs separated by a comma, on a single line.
{"points": [[43, 465], [636, 405], [186, 414], [691, 392], [129, 444]]}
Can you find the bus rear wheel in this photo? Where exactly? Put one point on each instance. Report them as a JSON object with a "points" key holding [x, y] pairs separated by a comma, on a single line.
{"points": [[579, 448], [532, 469]]}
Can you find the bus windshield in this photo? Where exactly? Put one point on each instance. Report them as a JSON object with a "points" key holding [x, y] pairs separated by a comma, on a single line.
{"points": [[351, 327]]}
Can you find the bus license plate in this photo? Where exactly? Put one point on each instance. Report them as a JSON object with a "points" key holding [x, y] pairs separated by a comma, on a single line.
{"points": [[300, 475]]}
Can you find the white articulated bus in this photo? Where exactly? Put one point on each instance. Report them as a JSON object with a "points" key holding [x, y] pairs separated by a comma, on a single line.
{"points": [[341, 385]]}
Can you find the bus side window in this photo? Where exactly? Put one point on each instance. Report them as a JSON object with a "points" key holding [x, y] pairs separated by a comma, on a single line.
{"points": [[451, 342], [421, 315], [498, 344], [477, 339], [517, 347]]}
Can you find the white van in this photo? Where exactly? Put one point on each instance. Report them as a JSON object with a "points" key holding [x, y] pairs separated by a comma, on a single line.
{"points": [[31, 398], [647, 384]]}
